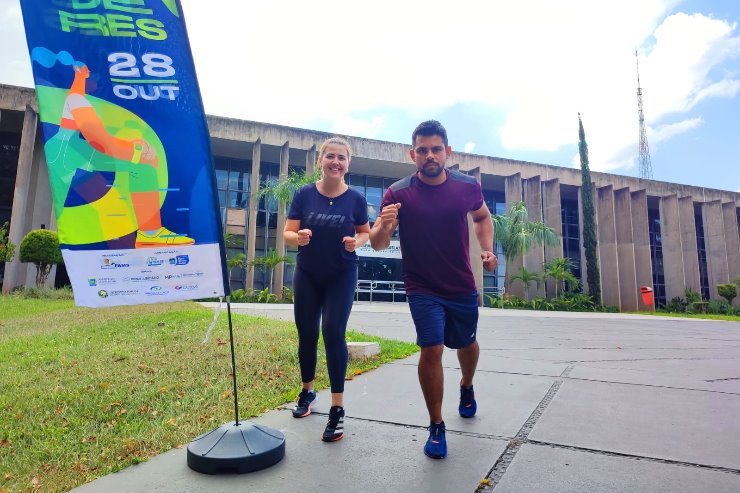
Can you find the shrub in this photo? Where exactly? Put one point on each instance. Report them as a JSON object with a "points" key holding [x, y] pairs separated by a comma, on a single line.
{"points": [[692, 296], [7, 247], [238, 296], [676, 305], [41, 247], [727, 291], [64, 293], [718, 307]]}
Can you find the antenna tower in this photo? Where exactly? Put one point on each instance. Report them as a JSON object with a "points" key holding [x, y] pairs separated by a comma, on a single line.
{"points": [[646, 167]]}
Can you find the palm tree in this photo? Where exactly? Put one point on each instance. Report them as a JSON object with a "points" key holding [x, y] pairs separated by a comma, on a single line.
{"points": [[283, 191], [517, 234], [526, 276], [559, 269], [237, 260], [270, 261]]}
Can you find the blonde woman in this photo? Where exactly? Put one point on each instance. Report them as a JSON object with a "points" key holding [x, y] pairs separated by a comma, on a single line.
{"points": [[327, 221]]}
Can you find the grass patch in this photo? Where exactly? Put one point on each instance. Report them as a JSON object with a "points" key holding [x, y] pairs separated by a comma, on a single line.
{"points": [[707, 316], [84, 392]]}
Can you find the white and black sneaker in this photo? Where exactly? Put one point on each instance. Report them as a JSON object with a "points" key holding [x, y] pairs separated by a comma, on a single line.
{"points": [[335, 427], [306, 400]]}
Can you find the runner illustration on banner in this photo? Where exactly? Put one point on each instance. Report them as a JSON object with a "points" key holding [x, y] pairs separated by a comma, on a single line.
{"points": [[108, 180]]}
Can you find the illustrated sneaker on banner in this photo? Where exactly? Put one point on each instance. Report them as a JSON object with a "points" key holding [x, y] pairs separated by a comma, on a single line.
{"points": [[306, 400], [436, 446], [335, 427], [162, 237]]}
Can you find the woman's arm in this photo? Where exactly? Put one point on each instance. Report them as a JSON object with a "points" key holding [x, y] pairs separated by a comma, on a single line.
{"points": [[294, 236]]}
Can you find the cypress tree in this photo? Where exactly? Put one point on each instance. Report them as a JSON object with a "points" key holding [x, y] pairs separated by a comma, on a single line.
{"points": [[589, 223]]}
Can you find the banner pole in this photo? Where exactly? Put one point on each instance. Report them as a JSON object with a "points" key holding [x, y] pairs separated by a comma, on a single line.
{"points": [[233, 361]]}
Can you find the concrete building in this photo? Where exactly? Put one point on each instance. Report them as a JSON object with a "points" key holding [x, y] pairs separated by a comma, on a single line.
{"points": [[664, 235]]}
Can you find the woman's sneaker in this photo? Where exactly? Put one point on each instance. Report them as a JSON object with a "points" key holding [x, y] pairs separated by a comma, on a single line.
{"points": [[436, 446], [306, 400], [467, 406], [335, 427]]}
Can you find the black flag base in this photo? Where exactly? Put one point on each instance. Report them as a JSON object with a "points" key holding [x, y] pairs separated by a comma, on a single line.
{"points": [[236, 448]]}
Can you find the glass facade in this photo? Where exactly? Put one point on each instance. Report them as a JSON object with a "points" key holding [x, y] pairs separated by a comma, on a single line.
{"points": [[656, 257], [9, 146], [382, 274], [571, 234], [702, 252], [493, 282]]}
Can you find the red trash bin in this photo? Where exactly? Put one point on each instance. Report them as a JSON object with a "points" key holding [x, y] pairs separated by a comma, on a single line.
{"points": [[647, 295]]}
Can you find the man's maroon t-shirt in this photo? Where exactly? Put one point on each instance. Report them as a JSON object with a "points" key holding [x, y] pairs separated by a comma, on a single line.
{"points": [[433, 227]]}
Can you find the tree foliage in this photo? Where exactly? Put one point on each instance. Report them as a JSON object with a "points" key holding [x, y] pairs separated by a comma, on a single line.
{"points": [[284, 190], [517, 234], [593, 279], [727, 291], [527, 277], [7, 247], [270, 261], [560, 270], [41, 247]]}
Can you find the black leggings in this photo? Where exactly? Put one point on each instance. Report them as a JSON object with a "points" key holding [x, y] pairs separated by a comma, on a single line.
{"points": [[326, 297]]}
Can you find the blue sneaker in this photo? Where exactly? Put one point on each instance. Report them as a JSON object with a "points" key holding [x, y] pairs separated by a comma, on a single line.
{"points": [[436, 446], [306, 400], [467, 406]]}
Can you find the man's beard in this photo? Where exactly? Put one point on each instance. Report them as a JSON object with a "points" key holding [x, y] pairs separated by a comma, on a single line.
{"points": [[432, 172]]}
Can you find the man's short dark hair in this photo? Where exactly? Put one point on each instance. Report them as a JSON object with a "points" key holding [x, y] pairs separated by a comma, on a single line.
{"points": [[430, 128]]}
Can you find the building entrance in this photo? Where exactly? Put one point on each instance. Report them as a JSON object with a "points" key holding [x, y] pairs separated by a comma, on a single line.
{"points": [[380, 279]]}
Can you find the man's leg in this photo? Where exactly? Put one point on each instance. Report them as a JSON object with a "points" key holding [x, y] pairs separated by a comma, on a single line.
{"points": [[431, 378], [468, 358]]}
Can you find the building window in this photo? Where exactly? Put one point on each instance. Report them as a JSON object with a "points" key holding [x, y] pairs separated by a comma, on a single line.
{"points": [[233, 178], [571, 234], [656, 257], [701, 251], [493, 282]]}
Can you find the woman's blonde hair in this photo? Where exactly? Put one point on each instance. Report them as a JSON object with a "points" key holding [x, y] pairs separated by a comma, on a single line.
{"points": [[333, 140]]}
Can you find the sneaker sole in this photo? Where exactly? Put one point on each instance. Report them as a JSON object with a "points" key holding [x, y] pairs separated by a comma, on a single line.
{"points": [[335, 439], [434, 456], [307, 412]]}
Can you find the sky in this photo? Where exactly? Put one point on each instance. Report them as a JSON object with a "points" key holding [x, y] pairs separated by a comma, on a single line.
{"points": [[507, 79]]}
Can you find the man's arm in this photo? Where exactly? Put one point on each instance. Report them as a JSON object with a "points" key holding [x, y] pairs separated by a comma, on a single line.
{"points": [[483, 229], [385, 224]]}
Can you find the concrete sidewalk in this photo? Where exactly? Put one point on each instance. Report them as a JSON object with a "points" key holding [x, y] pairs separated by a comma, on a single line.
{"points": [[566, 403]]}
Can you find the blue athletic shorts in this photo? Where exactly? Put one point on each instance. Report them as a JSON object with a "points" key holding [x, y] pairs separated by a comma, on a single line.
{"points": [[449, 321]]}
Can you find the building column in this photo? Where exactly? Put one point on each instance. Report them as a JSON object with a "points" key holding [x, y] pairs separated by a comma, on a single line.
{"points": [[625, 250], [310, 160], [641, 239], [732, 239], [474, 249], [670, 234], [687, 224], [254, 185], [535, 257], [282, 215], [513, 194], [14, 270], [716, 246], [607, 239], [552, 216]]}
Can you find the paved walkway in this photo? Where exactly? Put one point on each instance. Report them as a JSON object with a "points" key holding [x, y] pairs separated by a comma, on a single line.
{"points": [[567, 402]]}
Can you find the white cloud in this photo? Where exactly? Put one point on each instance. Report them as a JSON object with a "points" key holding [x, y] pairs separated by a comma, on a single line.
{"points": [[538, 62], [469, 146]]}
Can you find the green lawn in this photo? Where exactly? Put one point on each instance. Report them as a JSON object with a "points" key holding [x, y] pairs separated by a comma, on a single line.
{"points": [[707, 316], [85, 392]]}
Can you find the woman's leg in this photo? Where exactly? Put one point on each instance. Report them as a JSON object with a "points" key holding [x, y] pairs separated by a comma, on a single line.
{"points": [[307, 296], [337, 306]]}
